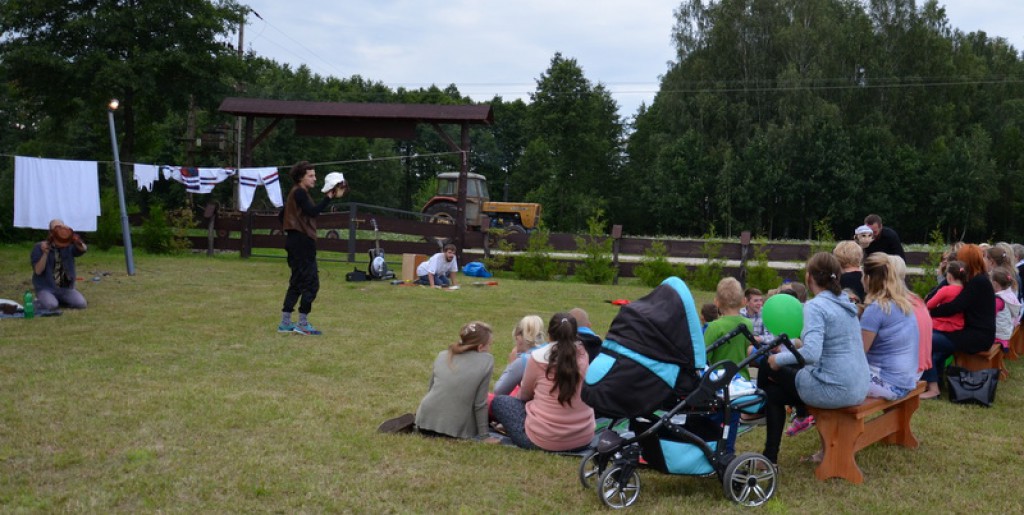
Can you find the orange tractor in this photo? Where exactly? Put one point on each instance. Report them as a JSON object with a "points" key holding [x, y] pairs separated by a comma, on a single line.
{"points": [[518, 217]]}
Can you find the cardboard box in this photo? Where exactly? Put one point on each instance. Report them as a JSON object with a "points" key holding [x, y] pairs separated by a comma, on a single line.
{"points": [[409, 264]]}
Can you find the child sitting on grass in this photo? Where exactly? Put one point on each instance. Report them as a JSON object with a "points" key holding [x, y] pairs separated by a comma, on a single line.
{"points": [[708, 314], [729, 299], [755, 301]]}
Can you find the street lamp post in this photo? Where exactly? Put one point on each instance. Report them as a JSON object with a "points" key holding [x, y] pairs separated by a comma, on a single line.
{"points": [[125, 229]]}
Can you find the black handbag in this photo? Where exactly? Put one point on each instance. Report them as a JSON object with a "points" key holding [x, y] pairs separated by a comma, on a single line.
{"points": [[972, 386]]}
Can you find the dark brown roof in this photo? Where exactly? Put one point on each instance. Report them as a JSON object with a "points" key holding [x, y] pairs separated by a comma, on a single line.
{"points": [[261, 107]]}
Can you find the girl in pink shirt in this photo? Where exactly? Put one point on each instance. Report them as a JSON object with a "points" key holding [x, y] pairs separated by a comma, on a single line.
{"points": [[956, 274], [548, 413]]}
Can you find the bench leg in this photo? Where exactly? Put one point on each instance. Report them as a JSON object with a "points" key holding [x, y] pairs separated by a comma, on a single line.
{"points": [[904, 436], [838, 435], [1004, 373]]}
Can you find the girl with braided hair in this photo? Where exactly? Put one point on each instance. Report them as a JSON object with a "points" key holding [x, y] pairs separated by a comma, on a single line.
{"points": [[548, 412]]}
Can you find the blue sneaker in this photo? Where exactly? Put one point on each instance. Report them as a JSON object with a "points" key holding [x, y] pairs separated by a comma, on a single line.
{"points": [[286, 328], [306, 329]]}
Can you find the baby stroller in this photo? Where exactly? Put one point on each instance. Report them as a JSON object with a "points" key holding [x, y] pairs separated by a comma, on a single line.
{"points": [[688, 431]]}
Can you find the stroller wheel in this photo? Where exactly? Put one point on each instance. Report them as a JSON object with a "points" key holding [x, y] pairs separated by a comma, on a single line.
{"points": [[750, 479], [591, 469], [619, 486]]}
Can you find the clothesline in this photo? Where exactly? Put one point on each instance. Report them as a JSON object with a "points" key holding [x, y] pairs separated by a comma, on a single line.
{"points": [[324, 163], [46, 188]]}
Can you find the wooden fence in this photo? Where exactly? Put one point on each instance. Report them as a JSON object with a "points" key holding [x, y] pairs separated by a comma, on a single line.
{"points": [[348, 233]]}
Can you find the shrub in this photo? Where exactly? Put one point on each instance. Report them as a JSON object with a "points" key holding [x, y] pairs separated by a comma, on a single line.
{"points": [[166, 233], [536, 264], [760, 275], [707, 274], [108, 227], [825, 239], [922, 284], [501, 249], [654, 266], [597, 266]]}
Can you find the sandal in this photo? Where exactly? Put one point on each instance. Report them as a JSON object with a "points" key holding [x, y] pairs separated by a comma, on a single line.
{"points": [[800, 425], [402, 424], [927, 397]]}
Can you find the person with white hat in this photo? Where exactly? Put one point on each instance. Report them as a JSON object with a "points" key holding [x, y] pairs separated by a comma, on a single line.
{"points": [[863, 235], [299, 223], [53, 268]]}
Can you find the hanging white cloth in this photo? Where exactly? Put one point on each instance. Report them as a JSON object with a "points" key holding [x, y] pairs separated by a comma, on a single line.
{"points": [[197, 180], [146, 175], [250, 178], [45, 189]]}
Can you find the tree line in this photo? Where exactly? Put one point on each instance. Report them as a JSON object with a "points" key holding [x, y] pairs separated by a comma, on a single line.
{"points": [[786, 118]]}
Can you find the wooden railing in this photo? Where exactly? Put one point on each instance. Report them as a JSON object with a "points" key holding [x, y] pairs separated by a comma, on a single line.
{"points": [[345, 231]]}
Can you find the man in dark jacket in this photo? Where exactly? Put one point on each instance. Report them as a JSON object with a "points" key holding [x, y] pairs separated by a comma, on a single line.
{"points": [[886, 239]]}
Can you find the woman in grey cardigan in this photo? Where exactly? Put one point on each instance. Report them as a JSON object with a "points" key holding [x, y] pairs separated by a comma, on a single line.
{"points": [[836, 372], [456, 404]]}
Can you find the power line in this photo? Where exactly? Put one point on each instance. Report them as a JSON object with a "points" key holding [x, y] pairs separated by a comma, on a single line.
{"points": [[304, 47]]}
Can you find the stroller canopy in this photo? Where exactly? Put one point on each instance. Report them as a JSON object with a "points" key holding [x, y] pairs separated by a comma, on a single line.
{"points": [[651, 355]]}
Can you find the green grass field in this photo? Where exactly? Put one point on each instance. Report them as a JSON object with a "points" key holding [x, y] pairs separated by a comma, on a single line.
{"points": [[173, 392]]}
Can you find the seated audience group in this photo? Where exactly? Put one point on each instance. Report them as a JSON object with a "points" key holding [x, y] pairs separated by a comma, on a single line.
{"points": [[865, 334]]}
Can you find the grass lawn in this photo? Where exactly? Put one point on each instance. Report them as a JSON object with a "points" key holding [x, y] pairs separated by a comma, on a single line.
{"points": [[173, 392]]}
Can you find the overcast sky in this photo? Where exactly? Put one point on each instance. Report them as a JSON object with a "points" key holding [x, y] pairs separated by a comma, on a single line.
{"points": [[488, 48]]}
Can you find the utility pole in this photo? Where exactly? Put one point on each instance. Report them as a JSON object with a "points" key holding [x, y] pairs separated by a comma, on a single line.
{"points": [[238, 119]]}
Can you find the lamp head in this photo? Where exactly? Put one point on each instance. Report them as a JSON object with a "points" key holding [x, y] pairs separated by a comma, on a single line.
{"points": [[113, 105]]}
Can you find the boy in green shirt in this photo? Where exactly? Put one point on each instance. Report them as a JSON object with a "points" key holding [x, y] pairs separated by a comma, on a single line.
{"points": [[729, 299]]}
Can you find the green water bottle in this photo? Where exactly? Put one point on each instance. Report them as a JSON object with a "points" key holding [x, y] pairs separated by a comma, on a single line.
{"points": [[30, 308]]}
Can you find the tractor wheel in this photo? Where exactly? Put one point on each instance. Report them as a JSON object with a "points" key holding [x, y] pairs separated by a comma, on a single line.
{"points": [[442, 213]]}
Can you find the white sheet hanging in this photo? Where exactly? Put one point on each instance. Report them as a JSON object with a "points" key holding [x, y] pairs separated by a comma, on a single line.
{"points": [[45, 189], [146, 175], [198, 180], [250, 178]]}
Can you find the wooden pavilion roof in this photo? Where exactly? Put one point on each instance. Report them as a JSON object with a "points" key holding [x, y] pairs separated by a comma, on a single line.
{"points": [[372, 120]]}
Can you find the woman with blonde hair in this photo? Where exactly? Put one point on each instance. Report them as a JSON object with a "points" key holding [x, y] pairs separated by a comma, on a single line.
{"points": [[889, 329], [977, 303], [528, 335]]}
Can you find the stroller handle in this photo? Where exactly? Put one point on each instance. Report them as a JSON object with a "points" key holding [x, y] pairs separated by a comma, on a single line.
{"points": [[740, 329], [764, 350]]}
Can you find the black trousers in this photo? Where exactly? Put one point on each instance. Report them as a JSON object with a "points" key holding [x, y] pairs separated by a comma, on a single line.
{"points": [[304, 282], [780, 391]]}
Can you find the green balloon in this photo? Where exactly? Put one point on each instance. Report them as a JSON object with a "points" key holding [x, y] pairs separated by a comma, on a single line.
{"points": [[783, 314]]}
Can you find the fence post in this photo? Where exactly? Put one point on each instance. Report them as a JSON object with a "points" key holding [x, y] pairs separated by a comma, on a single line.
{"points": [[744, 253], [616, 236], [246, 234], [211, 230], [485, 229], [352, 225]]}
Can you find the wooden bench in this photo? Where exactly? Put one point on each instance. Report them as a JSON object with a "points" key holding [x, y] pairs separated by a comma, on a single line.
{"points": [[845, 431], [1016, 343], [992, 358]]}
